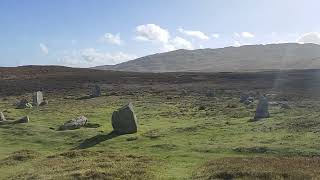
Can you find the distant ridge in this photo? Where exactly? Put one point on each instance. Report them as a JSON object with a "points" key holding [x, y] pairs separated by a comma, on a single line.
{"points": [[229, 59]]}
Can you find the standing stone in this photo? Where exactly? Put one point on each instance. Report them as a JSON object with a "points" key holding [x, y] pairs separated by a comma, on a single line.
{"points": [[262, 110], [23, 120], [96, 92], [124, 120], [37, 98], [2, 117], [75, 123]]}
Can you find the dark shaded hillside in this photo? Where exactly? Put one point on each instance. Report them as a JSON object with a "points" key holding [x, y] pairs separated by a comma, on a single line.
{"points": [[63, 80], [244, 58]]}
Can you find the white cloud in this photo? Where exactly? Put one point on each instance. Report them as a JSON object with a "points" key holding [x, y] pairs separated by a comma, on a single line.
{"points": [[236, 43], [44, 49], [152, 32], [216, 36], [312, 37], [111, 38], [196, 34], [92, 57], [247, 35], [244, 35], [236, 34], [177, 43]]}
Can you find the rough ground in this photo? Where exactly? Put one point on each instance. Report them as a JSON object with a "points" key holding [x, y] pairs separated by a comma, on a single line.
{"points": [[181, 135]]}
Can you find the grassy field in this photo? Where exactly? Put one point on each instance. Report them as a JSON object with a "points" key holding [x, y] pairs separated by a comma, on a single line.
{"points": [[175, 138], [179, 136]]}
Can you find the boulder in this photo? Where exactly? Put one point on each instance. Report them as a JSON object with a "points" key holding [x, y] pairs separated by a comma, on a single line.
{"points": [[243, 98], [96, 91], [38, 98], [124, 120], [24, 103], [262, 110], [246, 99], [75, 123], [2, 117], [23, 120]]}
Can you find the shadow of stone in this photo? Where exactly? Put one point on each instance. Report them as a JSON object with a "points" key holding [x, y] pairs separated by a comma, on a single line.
{"points": [[92, 125], [85, 97], [96, 140]]}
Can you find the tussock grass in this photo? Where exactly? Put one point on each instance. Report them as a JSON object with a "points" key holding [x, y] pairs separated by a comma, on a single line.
{"points": [[260, 168], [87, 165]]}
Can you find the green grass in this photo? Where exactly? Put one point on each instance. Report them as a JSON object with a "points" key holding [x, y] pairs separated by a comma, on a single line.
{"points": [[174, 136]]}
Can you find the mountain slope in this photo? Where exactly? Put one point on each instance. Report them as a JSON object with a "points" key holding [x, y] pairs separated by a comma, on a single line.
{"points": [[244, 58]]}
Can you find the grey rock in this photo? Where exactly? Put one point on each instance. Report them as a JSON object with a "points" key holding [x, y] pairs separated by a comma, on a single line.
{"points": [[23, 120], [96, 91], [247, 102], [37, 98], [24, 103], [284, 105], [2, 117], [75, 123], [244, 97], [262, 110], [124, 120]]}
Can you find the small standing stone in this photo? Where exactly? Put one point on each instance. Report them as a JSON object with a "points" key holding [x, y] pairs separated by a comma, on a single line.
{"points": [[2, 117], [124, 120], [37, 98], [96, 92], [262, 110]]}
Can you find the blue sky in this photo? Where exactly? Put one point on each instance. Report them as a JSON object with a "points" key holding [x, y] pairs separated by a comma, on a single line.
{"points": [[83, 33]]}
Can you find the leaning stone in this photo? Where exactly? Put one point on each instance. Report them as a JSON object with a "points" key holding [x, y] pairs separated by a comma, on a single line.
{"points": [[37, 98], [2, 117], [96, 92], [262, 110], [23, 120], [124, 120], [75, 123]]}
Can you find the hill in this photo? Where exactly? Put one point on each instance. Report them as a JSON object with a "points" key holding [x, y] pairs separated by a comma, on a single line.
{"points": [[245, 58]]}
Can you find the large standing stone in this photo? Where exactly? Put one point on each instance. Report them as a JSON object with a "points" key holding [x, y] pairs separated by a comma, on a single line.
{"points": [[2, 117], [262, 110], [38, 98], [96, 91], [75, 123], [124, 120]]}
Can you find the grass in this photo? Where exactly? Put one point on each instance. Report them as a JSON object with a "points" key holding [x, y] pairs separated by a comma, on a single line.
{"points": [[260, 168], [175, 139]]}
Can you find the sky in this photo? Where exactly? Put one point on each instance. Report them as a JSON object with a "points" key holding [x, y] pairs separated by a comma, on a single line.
{"points": [[83, 33]]}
